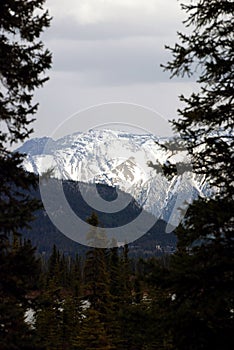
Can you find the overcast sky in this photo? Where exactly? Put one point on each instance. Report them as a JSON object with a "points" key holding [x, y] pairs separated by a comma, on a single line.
{"points": [[109, 51]]}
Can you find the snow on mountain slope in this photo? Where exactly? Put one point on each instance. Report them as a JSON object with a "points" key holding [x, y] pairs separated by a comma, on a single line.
{"points": [[117, 159]]}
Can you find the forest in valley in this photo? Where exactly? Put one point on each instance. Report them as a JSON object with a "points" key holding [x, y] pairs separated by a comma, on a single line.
{"points": [[105, 298], [102, 301]]}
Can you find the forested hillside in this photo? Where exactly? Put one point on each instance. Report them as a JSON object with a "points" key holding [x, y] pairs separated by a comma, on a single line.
{"points": [[43, 234]]}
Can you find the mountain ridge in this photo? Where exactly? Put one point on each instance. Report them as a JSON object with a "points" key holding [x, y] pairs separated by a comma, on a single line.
{"points": [[44, 234], [117, 159]]}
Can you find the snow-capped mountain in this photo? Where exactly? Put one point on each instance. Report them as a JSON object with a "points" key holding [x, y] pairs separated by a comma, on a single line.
{"points": [[117, 159]]}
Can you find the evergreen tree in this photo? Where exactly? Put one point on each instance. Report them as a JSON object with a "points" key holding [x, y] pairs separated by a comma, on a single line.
{"points": [[18, 275], [76, 276], [124, 306], [200, 277], [115, 269], [93, 334], [53, 264], [72, 320], [23, 61], [49, 318], [206, 123], [95, 269], [126, 283], [97, 284], [59, 308]]}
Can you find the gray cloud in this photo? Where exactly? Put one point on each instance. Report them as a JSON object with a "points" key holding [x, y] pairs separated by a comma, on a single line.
{"points": [[70, 28], [124, 61], [123, 45], [104, 53]]}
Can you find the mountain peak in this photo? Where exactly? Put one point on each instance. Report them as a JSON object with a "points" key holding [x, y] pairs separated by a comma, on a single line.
{"points": [[115, 158]]}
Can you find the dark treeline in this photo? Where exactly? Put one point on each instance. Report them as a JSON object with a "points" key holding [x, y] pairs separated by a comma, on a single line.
{"points": [[106, 300], [102, 301]]}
